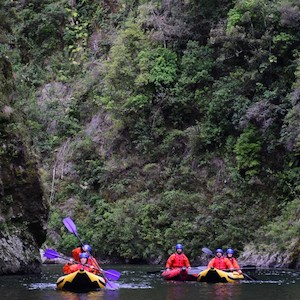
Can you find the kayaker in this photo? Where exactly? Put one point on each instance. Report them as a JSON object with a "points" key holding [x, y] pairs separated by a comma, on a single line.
{"points": [[220, 262], [83, 265], [178, 259], [77, 251], [85, 249], [229, 254]]}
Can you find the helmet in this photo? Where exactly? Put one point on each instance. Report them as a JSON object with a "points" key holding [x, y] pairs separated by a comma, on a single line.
{"points": [[86, 247], [219, 250], [229, 251], [178, 246], [83, 255]]}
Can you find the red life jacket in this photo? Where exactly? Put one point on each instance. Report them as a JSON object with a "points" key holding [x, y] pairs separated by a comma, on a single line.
{"points": [[76, 252], [177, 261], [234, 262], [67, 269], [221, 263]]}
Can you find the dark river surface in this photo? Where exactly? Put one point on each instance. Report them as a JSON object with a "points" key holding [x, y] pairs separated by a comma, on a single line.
{"points": [[142, 283]]}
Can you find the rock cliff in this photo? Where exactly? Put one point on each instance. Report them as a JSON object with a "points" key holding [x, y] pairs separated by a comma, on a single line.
{"points": [[23, 209]]}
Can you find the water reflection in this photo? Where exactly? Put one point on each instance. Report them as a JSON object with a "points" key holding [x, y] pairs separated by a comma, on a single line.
{"points": [[135, 283], [84, 296], [95, 295], [175, 290], [223, 291]]}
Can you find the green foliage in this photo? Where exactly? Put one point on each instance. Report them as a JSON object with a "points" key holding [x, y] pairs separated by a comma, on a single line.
{"points": [[137, 102], [42, 29], [122, 69], [196, 65], [195, 79], [234, 18], [253, 14], [288, 184], [224, 109], [140, 227], [282, 233], [248, 149], [167, 162], [76, 33], [157, 66]]}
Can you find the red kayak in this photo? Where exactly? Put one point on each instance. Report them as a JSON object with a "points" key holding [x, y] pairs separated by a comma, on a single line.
{"points": [[179, 274]]}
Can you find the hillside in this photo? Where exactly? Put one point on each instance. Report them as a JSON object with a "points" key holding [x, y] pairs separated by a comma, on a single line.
{"points": [[164, 121]]}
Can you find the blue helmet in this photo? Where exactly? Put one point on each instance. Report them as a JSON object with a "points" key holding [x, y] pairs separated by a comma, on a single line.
{"points": [[83, 255], [229, 251], [87, 248], [178, 246], [219, 251]]}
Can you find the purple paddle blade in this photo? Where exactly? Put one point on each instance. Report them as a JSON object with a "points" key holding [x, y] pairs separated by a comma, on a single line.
{"points": [[50, 253], [70, 225], [207, 251], [112, 274]]}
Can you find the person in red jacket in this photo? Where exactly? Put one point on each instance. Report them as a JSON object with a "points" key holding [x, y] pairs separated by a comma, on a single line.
{"points": [[83, 265], [220, 262], [229, 254], [178, 259], [77, 251]]}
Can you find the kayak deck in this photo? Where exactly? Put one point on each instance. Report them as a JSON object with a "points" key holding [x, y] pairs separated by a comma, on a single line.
{"points": [[179, 274], [213, 275], [80, 281]]}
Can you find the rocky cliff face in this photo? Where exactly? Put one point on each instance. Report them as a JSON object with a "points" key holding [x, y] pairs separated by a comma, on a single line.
{"points": [[23, 209], [272, 257]]}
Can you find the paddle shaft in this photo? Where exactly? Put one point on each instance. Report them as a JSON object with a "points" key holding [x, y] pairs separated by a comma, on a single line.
{"points": [[236, 269], [74, 261], [192, 270]]}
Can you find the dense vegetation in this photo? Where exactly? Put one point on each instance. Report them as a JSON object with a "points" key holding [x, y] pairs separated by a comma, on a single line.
{"points": [[163, 121]]}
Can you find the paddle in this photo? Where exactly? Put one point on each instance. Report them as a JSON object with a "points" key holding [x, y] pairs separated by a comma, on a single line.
{"points": [[70, 225], [207, 251], [154, 272], [196, 270], [111, 274], [250, 277], [210, 253], [192, 270]]}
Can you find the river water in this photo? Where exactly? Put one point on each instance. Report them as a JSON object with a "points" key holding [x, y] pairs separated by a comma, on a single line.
{"points": [[144, 283]]}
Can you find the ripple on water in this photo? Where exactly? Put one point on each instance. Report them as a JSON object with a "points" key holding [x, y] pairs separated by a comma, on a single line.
{"points": [[134, 286], [41, 286]]}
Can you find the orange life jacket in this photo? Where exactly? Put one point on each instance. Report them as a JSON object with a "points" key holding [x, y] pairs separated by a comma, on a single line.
{"points": [[178, 261], [67, 268], [235, 264], [76, 252], [221, 263]]}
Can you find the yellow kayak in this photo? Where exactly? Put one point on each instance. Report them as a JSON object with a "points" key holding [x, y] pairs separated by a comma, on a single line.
{"points": [[213, 275], [80, 281]]}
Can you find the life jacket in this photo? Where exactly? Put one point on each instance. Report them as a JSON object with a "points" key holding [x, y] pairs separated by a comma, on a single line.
{"points": [[234, 262], [76, 252], [221, 263], [93, 262], [70, 268], [177, 261]]}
